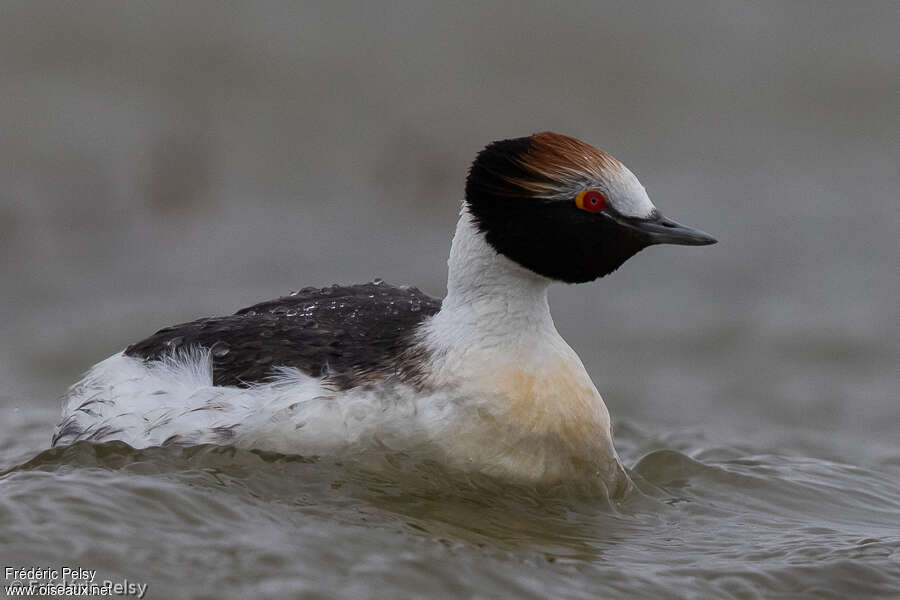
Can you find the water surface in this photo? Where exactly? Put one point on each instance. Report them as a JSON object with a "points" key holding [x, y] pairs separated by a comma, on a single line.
{"points": [[220, 522]]}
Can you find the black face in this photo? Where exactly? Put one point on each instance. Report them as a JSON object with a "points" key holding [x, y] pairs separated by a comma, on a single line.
{"points": [[555, 238]]}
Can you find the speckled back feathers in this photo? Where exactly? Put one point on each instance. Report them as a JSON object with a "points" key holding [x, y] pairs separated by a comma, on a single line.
{"points": [[348, 334]]}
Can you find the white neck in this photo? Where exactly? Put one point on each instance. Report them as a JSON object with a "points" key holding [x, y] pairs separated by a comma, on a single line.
{"points": [[532, 407], [491, 301]]}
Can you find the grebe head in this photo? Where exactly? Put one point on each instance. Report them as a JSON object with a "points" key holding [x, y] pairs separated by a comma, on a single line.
{"points": [[564, 209]]}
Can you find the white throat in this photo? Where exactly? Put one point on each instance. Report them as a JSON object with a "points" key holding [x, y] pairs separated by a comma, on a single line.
{"points": [[492, 302]]}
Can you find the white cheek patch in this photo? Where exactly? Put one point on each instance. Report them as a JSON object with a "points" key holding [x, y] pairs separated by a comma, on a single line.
{"points": [[628, 196]]}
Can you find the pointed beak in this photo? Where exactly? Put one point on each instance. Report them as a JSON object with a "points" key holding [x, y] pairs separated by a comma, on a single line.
{"points": [[660, 230]]}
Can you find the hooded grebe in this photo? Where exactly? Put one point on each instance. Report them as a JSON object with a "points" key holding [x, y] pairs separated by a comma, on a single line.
{"points": [[481, 379]]}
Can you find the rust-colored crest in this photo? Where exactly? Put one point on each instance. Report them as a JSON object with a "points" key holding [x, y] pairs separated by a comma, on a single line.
{"points": [[557, 159]]}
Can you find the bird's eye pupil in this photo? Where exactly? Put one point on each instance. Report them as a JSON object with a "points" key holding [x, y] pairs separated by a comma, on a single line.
{"points": [[591, 200]]}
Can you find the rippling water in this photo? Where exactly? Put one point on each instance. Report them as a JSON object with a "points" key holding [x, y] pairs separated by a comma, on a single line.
{"points": [[227, 523]]}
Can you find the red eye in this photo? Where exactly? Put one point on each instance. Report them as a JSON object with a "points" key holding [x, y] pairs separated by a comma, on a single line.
{"points": [[590, 200]]}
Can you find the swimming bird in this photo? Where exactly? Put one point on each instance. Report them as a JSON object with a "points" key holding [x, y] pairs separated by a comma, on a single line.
{"points": [[480, 380]]}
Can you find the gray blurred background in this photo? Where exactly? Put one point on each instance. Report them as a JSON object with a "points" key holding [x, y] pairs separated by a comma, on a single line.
{"points": [[169, 160]]}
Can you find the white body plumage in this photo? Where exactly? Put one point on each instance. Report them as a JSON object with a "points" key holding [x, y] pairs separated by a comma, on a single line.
{"points": [[505, 394]]}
